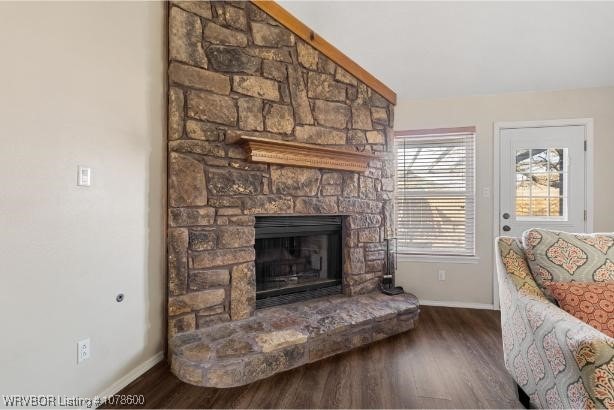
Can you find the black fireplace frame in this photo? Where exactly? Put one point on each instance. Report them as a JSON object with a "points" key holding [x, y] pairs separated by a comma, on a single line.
{"points": [[290, 226]]}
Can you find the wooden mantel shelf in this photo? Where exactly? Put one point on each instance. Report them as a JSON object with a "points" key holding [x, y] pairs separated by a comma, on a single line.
{"points": [[270, 151]]}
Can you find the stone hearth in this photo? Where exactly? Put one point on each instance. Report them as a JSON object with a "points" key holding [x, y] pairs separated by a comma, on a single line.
{"points": [[281, 338]]}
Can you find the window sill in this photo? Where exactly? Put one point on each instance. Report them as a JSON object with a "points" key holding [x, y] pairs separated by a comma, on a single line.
{"points": [[437, 259]]}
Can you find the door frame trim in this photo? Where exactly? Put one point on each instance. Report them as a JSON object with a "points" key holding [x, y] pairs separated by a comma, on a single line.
{"points": [[588, 175]]}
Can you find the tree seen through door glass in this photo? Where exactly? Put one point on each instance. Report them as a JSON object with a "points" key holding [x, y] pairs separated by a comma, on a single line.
{"points": [[540, 177]]}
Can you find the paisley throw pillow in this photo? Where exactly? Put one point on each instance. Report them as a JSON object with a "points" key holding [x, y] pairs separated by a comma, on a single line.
{"points": [[555, 256]]}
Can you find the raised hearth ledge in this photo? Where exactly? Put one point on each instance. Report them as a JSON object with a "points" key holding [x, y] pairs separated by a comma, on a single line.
{"points": [[284, 337], [271, 151]]}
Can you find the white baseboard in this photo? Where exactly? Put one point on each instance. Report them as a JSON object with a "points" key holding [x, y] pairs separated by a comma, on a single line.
{"points": [[466, 305], [132, 375]]}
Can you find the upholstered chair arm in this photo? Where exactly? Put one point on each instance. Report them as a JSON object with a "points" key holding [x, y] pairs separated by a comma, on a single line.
{"points": [[558, 360]]}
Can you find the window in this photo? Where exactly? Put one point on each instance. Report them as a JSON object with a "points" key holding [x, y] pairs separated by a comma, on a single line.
{"points": [[541, 178], [435, 198]]}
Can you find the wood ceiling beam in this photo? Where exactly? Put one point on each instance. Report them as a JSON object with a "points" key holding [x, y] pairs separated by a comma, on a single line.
{"points": [[310, 37]]}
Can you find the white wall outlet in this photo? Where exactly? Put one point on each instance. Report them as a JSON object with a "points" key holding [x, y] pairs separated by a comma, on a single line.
{"points": [[486, 192], [84, 176], [442, 275], [83, 350]]}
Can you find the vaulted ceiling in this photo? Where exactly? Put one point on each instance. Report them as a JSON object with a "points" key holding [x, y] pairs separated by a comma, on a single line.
{"points": [[446, 49]]}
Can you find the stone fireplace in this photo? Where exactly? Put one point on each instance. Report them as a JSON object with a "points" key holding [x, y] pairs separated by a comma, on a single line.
{"points": [[236, 72]]}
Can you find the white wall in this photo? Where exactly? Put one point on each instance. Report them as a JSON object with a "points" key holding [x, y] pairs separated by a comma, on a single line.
{"points": [[472, 283], [82, 83]]}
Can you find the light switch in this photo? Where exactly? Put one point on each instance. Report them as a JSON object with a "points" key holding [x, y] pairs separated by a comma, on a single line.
{"points": [[84, 177]]}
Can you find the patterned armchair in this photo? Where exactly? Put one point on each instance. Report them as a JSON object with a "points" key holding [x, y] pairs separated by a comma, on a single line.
{"points": [[556, 359]]}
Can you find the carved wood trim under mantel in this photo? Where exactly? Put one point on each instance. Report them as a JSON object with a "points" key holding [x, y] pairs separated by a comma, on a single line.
{"points": [[270, 151]]}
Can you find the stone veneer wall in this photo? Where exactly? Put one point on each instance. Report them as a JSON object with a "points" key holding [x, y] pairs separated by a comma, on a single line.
{"points": [[235, 71]]}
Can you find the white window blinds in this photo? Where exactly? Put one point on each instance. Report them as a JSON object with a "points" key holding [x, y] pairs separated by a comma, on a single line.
{"points": [[435, 198]]}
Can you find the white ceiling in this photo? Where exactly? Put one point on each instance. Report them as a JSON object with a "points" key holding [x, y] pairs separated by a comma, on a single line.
{"points": [[445, 49]]}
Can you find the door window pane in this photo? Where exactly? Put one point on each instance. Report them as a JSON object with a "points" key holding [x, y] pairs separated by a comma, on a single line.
{"points": [[556, 206], [555, 184], [541, 174], [539, 184], [539, 160], [555, 160], [523, 206], [523, 185], [523, 161], [539, 206]]}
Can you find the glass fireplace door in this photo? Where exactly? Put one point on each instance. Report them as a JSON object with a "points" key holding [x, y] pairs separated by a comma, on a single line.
{"points": [[297, 258]]}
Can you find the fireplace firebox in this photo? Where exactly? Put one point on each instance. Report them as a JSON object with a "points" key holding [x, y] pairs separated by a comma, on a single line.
{"points": [[297, 258]]}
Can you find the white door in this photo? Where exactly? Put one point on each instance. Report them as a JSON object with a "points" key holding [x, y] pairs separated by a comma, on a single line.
{"points": [[542, 179]]}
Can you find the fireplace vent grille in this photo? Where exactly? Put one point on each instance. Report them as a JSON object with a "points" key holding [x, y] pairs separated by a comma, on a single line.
{"points": [[297, 297]]}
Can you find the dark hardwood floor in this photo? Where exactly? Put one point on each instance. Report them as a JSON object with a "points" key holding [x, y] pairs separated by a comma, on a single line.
{"points": [[453, 359]]}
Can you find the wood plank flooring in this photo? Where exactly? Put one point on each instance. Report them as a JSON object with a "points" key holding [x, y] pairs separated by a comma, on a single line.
{"points": [[453, 359]]}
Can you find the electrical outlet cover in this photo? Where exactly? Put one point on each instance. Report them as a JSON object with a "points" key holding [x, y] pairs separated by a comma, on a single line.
{"points": [[83, 350], [84, 177]]}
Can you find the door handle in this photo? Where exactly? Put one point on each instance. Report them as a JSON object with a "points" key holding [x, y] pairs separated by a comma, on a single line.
{"points": [[506, 228], [506, 216]]}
